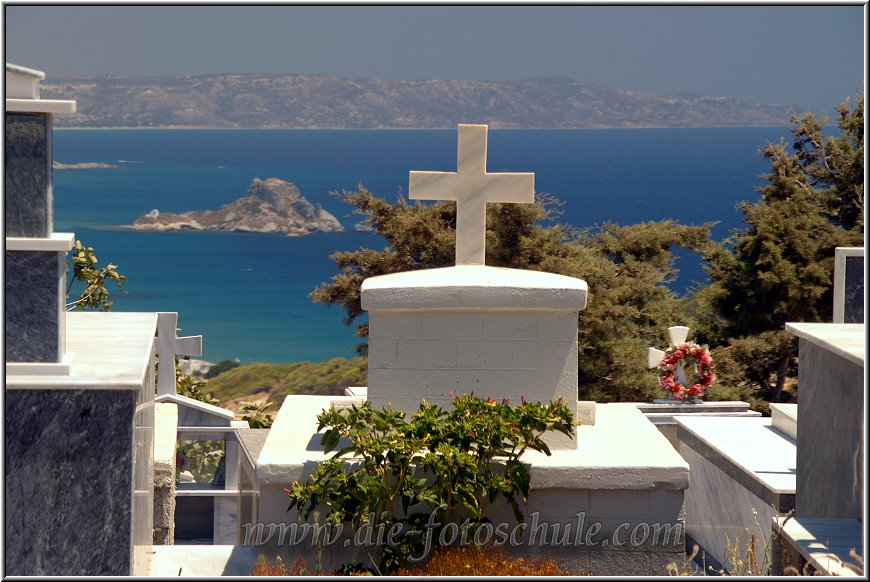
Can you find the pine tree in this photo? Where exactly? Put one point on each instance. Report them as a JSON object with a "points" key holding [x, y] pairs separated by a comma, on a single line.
{"points": [[780, 267], [629, 307]]}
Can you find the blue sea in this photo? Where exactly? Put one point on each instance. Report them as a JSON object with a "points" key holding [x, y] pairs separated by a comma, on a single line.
{"points": [[248, 294]]}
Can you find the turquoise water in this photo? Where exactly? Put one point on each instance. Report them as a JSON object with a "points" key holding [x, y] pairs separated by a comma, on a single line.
{"points": [[248, 293]]}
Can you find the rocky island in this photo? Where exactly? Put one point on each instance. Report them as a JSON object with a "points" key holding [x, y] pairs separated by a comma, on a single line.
{"points": [[271, 205]]}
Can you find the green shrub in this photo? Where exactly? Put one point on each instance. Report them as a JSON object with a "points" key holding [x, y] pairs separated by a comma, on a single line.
{"points": [[442, 465]]}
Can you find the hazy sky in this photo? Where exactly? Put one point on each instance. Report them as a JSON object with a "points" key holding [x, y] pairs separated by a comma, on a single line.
{"points": [[797, 55]]}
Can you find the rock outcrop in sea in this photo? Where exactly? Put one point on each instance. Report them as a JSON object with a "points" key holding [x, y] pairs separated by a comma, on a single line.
{"points": [[271, 205]]}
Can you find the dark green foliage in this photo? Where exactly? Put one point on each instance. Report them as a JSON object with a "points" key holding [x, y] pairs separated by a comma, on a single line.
{"points": [[780, 267], [256, 414], [629, 306], [220, 368], [193, 388], [395, 471]]}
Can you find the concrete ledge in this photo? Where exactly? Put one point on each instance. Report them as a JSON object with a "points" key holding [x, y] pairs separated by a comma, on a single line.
{"points": [[58, 241], [165, 430], [474, 287], [40, 106], [202, 561], [824, 543], [61, 368], [749, 451], [843, 339], [784, 417], [645, 460], [114, 351]]}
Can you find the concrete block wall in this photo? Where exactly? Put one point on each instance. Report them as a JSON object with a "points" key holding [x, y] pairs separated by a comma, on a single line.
{"points": [[426, 354]]}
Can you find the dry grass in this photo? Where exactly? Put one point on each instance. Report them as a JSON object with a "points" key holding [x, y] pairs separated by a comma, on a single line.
{"points": [[484, 561]]}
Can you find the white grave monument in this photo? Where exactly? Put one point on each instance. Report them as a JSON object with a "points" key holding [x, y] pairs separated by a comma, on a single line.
{"points": [[501, 333], [168, 345]]}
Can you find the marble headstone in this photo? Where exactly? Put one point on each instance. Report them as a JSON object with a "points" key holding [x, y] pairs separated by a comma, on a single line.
{"points": [[849, 285], [34, 258]]}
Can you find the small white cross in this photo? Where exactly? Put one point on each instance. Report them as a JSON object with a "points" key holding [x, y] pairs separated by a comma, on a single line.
{"points": [[471, 187], [167, 346], [678, 335]]}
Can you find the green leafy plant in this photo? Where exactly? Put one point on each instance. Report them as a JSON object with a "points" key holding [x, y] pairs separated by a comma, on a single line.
{"points": [[85, 271], [431, 469], [256, 414], [192, 388]]}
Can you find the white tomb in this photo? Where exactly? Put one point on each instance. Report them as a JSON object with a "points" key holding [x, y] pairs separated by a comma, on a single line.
{"points": [[615, 491], [500, 333]]}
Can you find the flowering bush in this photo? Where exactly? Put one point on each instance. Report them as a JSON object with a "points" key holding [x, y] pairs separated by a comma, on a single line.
{"points": [[420, 473], [696, 362]]}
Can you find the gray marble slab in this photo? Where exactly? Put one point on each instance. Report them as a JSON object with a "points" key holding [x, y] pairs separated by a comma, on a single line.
{"points": [[853, 296], [830, 450], [720, 512], [28, 175], [34, 305], [69, 479]]}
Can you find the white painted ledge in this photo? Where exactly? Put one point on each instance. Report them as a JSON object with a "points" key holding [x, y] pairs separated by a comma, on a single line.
{"points": [[25, 72], [40, 106], [474, 287], [622, 450], [58, 241], [844, 339], [114, 351], [61, 368]]}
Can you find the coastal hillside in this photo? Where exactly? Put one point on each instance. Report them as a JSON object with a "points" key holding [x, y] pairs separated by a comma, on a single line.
{"points": [[316, 101], [271, 205], [273, 382]]}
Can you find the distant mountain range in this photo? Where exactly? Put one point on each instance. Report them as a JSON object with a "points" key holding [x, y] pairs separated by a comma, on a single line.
{"points": [[315, 101]]}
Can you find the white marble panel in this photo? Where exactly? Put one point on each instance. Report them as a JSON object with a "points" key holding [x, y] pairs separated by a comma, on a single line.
{"points": [[719, 509]]}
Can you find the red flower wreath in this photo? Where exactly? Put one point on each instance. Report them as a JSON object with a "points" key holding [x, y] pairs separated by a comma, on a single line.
{"points": [[694, 358]]}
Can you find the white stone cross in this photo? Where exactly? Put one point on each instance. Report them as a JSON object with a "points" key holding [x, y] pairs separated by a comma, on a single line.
{"points": [[471, 187], [678, 335], [167, 346]]}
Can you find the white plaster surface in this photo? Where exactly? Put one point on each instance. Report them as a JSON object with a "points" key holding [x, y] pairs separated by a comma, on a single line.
{"points": [[112, 351], [719, 510], [845, 339], [752, 445], [784, 418], [22, 83], [499, 333], [165, 427], [210, 409], [202, 561], [473, 287], [40, 106], [61, 368], [58, 241], [471, 187], [621, 451], [826, 543], [168, 345]]}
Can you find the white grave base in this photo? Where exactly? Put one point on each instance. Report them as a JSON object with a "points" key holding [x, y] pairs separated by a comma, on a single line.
{"points": [[743, 474], [500, 333], [622, 487]]}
